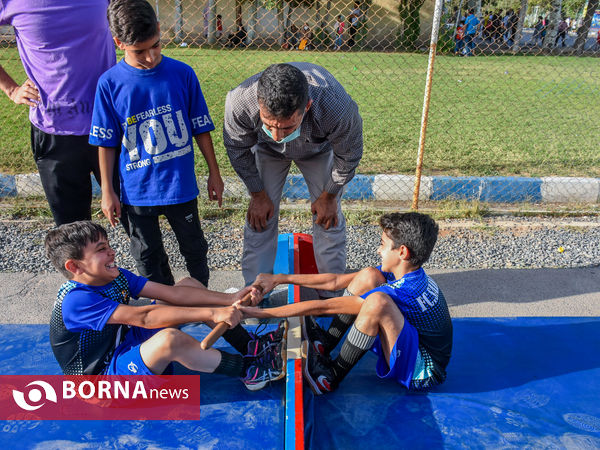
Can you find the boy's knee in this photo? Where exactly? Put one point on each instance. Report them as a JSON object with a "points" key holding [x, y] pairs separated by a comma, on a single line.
{"points": [[170, 339], [367, 279], [376, 305]]}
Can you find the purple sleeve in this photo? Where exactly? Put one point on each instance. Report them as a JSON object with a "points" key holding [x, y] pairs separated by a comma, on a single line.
{"points": [[84, 310]]}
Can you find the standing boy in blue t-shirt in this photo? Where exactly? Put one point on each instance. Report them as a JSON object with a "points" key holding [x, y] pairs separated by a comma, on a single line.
{"points": [[394, 309], [150, 106]]}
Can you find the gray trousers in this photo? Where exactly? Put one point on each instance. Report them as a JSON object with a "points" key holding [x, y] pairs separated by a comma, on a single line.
{"points": [[329, 245]]}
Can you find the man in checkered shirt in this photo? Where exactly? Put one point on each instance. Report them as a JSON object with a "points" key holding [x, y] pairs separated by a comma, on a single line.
{"points": [[293, 112]]}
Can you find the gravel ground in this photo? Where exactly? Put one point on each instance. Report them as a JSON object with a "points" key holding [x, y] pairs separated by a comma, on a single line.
{"points": [[499, 242]]}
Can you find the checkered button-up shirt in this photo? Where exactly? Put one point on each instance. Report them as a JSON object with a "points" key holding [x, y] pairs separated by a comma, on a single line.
{"points": [[331, 124]]}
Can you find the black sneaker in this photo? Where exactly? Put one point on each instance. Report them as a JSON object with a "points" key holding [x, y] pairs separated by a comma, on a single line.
{"points": [[314, 335], [268, 366], [318, 371], [262, 343]]}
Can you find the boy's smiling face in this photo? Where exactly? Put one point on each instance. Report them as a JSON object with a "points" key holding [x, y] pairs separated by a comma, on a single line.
{"points": [[142, 55], [97, 266], [390, 257]]}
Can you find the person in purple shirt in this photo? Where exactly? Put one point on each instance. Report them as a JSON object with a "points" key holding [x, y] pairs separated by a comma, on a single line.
{"points": [[64, 46]]}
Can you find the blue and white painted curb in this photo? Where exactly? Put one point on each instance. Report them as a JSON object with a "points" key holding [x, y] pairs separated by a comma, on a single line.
{"points": [[391, 187]]}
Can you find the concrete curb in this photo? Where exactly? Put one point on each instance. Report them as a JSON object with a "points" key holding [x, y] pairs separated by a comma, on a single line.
{"points": [[391, 187]]}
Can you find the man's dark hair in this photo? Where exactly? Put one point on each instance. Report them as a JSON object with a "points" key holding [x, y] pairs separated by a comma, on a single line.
{"points": [[132, 21], [282, 90], [68, 242], [418, 232]]}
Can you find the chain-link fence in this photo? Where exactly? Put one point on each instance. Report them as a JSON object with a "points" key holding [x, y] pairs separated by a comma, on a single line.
{"points": [[514, 98]]}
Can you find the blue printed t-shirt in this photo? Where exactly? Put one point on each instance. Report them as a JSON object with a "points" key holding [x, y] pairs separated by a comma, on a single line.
{"points": [[151, 116], [423, 305], [471, 23], [82, 342]]}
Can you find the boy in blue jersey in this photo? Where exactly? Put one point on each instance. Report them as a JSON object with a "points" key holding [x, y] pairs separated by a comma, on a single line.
{"points": [[94, 330], [149, 107], [394, 309]]}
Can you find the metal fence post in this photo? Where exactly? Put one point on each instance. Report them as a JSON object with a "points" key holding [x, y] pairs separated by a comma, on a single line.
{"points": [[437, 14]]}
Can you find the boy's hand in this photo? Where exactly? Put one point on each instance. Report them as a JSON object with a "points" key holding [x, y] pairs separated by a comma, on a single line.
{"points": [[266, 281], [215, 187], [257, 295], [229, 314], [239, 295], [26, 94], [255, 298], [111, 207]]}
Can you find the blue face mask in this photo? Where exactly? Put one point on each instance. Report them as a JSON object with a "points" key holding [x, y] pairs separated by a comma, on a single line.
{"points": [[289, 137]]}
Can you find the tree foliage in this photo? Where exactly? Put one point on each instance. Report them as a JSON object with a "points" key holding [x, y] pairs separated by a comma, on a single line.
{"points": [[410, 23], [570, 8]]}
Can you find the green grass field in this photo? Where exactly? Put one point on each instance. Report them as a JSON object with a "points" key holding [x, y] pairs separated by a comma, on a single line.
{"points": [[493, 115]]}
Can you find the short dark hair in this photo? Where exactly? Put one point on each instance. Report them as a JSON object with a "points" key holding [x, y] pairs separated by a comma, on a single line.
{"points": [[132, 21], [68, 242], [282, 90], [418, 232]]}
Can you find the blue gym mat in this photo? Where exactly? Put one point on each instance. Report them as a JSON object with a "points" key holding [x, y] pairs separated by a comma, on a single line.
{"points": [[230, 415], [512, 383]]}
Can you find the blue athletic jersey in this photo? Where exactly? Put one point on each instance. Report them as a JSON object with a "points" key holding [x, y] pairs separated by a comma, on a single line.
{"points": [[151, 116], [423, 305], [81, 340]]}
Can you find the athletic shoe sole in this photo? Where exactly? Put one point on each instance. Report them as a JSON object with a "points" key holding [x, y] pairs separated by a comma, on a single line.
{"points": [[283, 352]]}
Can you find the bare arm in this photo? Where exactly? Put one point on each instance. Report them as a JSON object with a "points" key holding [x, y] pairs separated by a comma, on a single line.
{"points": [[325, 281], [190, 296], [215, 182], [159, 316], [111, 205], [25, 94], [336, 305]]}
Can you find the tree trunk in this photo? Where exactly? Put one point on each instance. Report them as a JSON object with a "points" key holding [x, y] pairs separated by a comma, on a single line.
{"points": [[252, 21], [519, 34], [281, 23], [555, 14], [288, 18], [584, 29], [318, 13], [212, 21], [178, 28], [327, 12], [238, 12]]}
